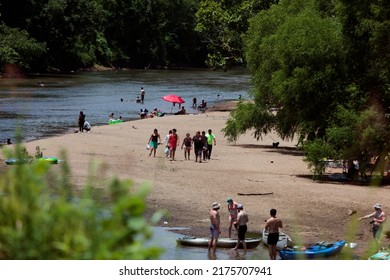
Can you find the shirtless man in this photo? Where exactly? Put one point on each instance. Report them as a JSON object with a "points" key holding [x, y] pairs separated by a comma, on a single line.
{"points": [[215, 229], [379, 217], [232, 209], [242, 220], [272, 225]]}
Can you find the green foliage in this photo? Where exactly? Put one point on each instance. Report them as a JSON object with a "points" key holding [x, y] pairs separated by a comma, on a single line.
{"points": [[221, 25], [246, 116], [324, 65], [315, 154], [17, 48], [41, 217]]}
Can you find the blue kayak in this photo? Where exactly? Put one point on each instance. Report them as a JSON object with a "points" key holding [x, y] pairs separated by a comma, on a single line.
{"points": [[317, 251]]}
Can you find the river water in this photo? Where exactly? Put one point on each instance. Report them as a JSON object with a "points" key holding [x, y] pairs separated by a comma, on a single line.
{"points": [[53, 109]]}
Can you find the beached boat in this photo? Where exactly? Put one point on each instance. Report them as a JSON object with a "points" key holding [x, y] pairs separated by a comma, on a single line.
{"points": [[284, 240], [251, 243], [382, 255], [317, 251]]}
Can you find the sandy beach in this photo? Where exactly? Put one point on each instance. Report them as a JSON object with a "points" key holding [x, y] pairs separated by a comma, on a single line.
{"points": [[252, 172]]}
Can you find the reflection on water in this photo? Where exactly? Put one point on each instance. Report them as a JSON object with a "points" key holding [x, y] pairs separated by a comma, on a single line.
{"points": [[166, 239]]}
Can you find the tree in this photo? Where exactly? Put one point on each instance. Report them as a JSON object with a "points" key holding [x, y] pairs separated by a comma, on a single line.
{"points": [[17, 48], [42, 218], [221, 25], [311, 59]]}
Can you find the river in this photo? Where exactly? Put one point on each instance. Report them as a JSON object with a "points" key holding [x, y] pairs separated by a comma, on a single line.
{"points": [[52, 109]]}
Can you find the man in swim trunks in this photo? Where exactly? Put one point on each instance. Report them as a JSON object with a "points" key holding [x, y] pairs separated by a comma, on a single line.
{"points": [[272, 225], [379, 217], [242, 220], [233, 212], [215, 229]]}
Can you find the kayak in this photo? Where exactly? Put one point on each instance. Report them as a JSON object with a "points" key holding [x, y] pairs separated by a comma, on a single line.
{"points": [[52, 160], [251, 243], [284, 240], [317, 251], [13, 161], [383, 255], [115, 121]]}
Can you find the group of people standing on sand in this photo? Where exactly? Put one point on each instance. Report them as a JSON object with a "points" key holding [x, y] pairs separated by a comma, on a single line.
{"points": [[238, 219], [201, 143]]}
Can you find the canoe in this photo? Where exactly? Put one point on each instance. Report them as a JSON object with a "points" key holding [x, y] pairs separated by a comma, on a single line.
{"points": [[284, 240], [251, 243], [317, 251], [383, 255]]}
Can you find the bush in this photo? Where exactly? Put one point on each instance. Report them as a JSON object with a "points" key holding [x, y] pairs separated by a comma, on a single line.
{"points": [[41, 217]]}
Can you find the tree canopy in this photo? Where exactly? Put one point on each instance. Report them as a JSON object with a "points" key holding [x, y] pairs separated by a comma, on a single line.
{"points": [[80, 33], [317, 62]]}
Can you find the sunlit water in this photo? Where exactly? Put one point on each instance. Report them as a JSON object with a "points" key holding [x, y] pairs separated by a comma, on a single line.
{"points": [[53, 109]]}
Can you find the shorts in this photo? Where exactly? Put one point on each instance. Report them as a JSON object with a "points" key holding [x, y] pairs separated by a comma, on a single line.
{"points": [[273, 238], [241, 232], [376, 231], [214, 233], [153, 145]]}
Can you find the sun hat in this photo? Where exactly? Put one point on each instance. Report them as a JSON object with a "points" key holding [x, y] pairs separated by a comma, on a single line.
{"points": [[378, 206], [229, 199], [240, 206], [216, 205]]}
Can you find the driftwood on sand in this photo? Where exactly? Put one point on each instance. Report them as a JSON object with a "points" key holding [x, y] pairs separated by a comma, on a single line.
{"points": [[255, 193]]}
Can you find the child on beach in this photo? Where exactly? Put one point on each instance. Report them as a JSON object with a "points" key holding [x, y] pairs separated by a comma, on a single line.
{"points": [[187, 142]]}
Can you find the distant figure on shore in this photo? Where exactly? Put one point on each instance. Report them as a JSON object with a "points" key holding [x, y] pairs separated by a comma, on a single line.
{"points": [[142, 95], [87, 126], [378, 219], [204, 149], [182, 111], [210, 141], [233, 212], [187, 144], [38, 152], [194, 103], [198, 146], [81, 121], [9, 141], [215, 227], [153, 142], [272, 225], [111, 117], [239, 97], [142, 114], [202, 106], [166, 140], [173, 143], [138, 100], [41, 84]]}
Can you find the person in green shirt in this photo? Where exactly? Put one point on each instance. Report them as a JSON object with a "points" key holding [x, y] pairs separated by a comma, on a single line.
{"points": [[210, 141]]}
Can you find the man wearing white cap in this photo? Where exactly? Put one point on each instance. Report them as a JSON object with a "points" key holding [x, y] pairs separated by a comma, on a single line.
{"points": [[215, 229], [379, 218]]}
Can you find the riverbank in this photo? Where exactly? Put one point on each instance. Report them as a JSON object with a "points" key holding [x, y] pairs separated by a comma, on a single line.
{"points": [[253, 172]]}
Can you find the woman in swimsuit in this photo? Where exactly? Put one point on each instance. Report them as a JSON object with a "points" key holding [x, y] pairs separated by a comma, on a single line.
{"points": [[153, 142]]}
